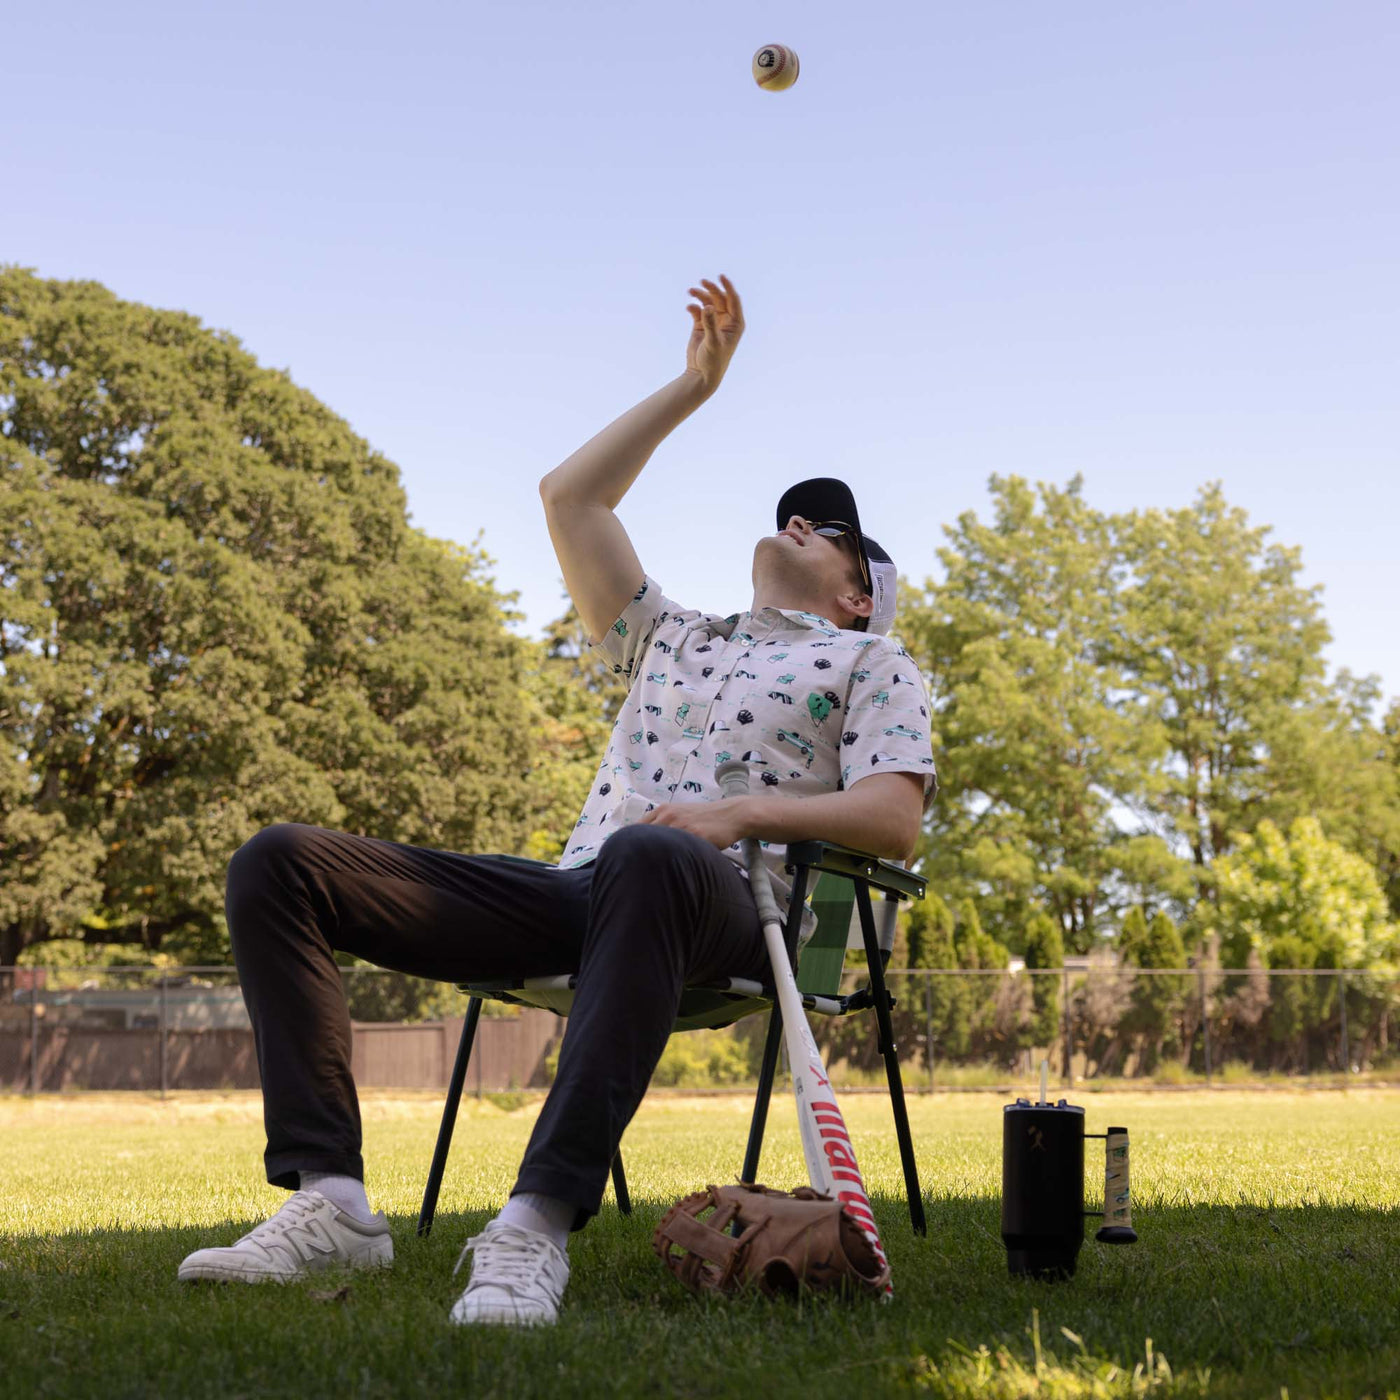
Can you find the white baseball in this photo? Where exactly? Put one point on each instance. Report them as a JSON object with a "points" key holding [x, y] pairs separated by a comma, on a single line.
{"points": [[775, 68]]}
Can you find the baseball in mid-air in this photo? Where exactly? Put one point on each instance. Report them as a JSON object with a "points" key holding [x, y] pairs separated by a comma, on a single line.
{"points": [[775, 67]]}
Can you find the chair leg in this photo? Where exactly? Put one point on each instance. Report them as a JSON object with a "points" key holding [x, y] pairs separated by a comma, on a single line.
{"points": [[619, 1178], [906, 1140], [890, 1051], [765, 1092], [449, 1117]]}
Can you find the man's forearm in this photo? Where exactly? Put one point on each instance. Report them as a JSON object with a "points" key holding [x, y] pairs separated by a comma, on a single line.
{"points": [[842, 817], [601, 471]]}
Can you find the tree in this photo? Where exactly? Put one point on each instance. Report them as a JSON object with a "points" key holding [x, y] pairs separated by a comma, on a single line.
{"points": [[1296, 1004], [1155, 1001], [1043, 742], [1388, 855], [216, 617], [1223, 643], [997, 1007], [948, 1000], [929, 933], [1330, 759], [1300, 884], [573, 700], [975, 946], [1298, 899], [1045, 948]]}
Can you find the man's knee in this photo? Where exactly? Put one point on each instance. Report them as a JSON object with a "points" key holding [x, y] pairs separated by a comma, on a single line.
{"points": [[651, 850], [651, 877], [280, 844], [270, 853]]}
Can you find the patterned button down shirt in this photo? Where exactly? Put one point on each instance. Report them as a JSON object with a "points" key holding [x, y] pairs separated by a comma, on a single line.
{"points": [[813, 709]]}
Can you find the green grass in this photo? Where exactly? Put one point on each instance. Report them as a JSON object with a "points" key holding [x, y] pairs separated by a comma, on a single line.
{"points": [[1268, 1258]]}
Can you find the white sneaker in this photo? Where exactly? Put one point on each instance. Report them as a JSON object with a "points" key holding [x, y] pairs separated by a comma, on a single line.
{"points": [[307, 1234], [518, 1278]]}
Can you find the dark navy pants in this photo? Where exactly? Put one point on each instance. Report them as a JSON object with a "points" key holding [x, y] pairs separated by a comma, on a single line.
{"points": [[658, 908]]}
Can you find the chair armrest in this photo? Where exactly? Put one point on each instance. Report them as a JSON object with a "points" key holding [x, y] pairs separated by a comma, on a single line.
{"points": [[885, 875]]}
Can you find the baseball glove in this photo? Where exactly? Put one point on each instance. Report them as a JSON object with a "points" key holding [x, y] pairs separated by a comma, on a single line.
{"points": [[782, 1241]]}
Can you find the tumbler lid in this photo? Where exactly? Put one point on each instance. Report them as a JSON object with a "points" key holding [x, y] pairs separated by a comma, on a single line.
{"points": [[1023, 1105]]}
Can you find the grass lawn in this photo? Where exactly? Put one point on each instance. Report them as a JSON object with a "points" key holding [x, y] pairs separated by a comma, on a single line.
{"points": [[1268, 1263]]}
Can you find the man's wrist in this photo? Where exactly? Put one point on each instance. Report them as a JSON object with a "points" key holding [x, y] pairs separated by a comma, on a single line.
{"points": [[757, 817], [694, 386]]}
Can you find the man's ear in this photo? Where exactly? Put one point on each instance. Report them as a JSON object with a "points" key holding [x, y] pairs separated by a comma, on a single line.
{"points": [[861, 604]]}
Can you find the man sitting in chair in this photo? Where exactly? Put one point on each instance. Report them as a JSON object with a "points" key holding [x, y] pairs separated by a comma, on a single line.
{"points": [[651, 894]]}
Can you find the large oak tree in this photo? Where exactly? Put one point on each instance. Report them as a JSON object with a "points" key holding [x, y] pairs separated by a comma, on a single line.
{"points": [[214, 616]]}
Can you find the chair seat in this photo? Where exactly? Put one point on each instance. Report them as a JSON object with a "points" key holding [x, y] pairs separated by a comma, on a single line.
{"points": [[708, 1006]]}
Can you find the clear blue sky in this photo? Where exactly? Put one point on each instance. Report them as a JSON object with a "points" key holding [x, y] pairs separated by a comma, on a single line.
{"points": [[1152, 243]]}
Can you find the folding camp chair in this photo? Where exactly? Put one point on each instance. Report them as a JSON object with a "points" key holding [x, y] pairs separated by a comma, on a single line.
{"points": [[845, 879]]}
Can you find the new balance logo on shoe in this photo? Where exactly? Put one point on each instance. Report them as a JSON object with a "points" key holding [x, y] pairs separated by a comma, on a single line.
{"points": [[311, 1240]]}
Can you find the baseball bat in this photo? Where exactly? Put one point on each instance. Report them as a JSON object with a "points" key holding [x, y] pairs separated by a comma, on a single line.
{"points": [[826, 1145]]}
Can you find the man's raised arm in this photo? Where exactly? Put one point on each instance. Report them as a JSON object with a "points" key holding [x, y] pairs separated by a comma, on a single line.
{"points": [[601, 568]]}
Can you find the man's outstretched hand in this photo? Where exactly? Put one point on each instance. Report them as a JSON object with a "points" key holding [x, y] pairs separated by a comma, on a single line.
{"points": [[718, 324], [720, 823]]}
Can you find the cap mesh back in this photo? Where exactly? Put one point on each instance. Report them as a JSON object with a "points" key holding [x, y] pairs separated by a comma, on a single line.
{"points": [[882, 592]]}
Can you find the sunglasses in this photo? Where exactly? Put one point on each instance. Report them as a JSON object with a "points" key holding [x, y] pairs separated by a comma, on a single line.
{"points": [[833, 530]]}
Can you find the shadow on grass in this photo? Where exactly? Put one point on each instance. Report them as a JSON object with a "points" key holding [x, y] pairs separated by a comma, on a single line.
{"points": [[1212, 1300]]}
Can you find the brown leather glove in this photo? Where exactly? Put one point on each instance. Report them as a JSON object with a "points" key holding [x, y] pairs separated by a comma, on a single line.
{"points": [[785, 1240]]}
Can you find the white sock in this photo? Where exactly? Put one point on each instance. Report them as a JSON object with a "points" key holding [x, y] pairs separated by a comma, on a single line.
{"points": [[545, 1215], [347, 1192]]}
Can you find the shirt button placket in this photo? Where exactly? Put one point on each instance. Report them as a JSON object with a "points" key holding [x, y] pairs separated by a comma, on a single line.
{"points": [[727, 661]]}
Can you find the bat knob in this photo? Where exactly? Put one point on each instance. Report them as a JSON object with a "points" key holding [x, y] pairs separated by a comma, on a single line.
{"points": [[733, 778], [1117, 1234]]}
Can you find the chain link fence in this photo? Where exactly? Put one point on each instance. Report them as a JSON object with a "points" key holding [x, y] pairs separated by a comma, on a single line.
{"points": [[162, 1029]]}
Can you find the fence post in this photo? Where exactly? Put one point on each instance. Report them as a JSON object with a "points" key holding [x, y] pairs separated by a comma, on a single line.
{"points": [[1205, 1021], [928, 1026], [164, 1038], [1064, 1017], [1346, 1047], [33, 1031]]}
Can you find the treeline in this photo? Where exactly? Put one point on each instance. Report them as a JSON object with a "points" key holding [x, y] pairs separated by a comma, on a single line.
{"points": [[1142, 1005], [1134, 711], [215, 616]]}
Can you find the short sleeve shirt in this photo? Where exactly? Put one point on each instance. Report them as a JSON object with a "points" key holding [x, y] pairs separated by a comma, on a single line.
{"points": [[811, 707]]}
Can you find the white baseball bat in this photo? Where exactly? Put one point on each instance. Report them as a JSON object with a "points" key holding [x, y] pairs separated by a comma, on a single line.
{"points": [[831, 1158]]}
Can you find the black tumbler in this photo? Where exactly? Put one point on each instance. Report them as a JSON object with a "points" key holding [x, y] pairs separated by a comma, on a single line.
{"points": [[1042, 1187]]}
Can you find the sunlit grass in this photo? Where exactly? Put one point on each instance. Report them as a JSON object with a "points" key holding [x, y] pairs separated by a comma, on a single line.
{"points": [[1270, 1242]]}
